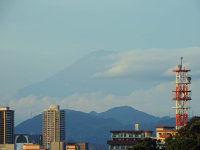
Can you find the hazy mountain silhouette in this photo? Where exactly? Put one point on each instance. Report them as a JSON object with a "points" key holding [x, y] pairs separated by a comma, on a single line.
{"points": [[79, 78], [127, 115], [80, 127]]}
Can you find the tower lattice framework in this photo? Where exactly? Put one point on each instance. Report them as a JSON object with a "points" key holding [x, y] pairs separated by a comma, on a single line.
{"points": [[182, 95]]}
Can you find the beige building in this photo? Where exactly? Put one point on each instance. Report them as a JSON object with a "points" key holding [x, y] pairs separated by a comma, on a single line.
{"points": [[30, 146], [6, 125], [7, 147], [83, 146], [72, 147], [57, 146], [77, 146], [53, 125], [163, 132]]}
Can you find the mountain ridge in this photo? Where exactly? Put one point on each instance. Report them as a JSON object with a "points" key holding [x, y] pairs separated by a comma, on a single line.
{"points": [[87, 127], [80, 78]]}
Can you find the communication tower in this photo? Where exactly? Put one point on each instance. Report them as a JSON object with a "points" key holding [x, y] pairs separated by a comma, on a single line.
{"points": [[182, 95]]}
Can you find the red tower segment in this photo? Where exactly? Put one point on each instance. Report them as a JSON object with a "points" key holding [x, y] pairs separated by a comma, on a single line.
{"points": [[182, 95]]}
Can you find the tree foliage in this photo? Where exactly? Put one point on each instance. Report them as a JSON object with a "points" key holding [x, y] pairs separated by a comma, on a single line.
{"points": [[146, 144], [188, 137]]}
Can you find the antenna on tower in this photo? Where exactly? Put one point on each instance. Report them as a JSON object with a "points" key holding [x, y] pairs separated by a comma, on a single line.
{"points": [[181, 62]]}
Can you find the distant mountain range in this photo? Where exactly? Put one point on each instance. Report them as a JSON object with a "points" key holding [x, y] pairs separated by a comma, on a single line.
{"points": [[94, 127]]}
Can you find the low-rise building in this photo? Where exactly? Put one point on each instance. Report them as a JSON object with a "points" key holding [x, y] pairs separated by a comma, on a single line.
{"points": [[31, 146], [57, 146], [77, 146], [163, 132], [8, 147], [72, 147], [121, 140], [83, 146]]}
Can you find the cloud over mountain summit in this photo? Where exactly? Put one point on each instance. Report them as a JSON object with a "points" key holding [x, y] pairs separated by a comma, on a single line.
{"points": [[140, 78]]}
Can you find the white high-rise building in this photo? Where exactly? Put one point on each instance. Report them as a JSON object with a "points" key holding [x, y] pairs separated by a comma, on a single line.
{"points": [[53, 125]]}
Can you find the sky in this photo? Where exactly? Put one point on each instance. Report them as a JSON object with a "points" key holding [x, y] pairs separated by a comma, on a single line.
{"points": [[40, 38]]}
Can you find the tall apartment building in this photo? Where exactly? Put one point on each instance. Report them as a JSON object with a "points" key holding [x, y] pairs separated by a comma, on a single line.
{"points": [[6, 125], [53, 125]]}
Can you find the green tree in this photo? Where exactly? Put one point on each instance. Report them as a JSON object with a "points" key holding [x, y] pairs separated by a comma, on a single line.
{"points": [[145, 144], [180, 143], [188, 137]]}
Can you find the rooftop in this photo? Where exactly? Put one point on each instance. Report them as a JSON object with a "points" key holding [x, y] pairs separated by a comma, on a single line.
{"points": [[130, 131], [166, 127], [4, 108]]}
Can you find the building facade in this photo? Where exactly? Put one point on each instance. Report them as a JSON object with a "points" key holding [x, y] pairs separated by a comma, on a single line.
{"points": [[30, 146], [121, 140], [77, 146], [6, 125], [53, 125], [163, 132], [57, 146], [72, 147], [8, 147], [83, 146]]}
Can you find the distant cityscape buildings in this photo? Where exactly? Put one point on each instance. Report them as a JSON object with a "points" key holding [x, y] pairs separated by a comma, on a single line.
{"points": [[6, 125], [21, 139], [53, 125]]}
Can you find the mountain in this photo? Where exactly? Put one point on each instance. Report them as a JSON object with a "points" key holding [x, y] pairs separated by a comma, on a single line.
{"points": [[95, 127], [80, 78], [127, 115], [80, 127]]}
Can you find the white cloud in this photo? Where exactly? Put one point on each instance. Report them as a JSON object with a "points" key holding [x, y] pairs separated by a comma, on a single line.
{"points": [[158, 62], [155, 100]]}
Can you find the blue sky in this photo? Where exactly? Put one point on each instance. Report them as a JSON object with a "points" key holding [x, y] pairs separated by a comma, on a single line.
{"points": [[38, 38]]}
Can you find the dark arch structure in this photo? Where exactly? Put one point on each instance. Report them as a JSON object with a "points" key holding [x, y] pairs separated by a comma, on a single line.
{"points": [[21, 138]]}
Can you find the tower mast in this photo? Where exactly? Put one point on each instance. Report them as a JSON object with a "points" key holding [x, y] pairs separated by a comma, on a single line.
{"points": [[182, 95]]}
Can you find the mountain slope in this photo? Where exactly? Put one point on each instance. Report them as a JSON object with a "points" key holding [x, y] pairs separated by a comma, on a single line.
{"points": [[127, 115], [80, 78], [80, 127], [95, 127]]}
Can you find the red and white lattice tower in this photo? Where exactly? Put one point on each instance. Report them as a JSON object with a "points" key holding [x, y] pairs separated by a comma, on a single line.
{"points": [[182, 95]]}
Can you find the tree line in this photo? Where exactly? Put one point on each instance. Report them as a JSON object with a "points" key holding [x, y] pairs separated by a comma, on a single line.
{"points": [[188, 138]]}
